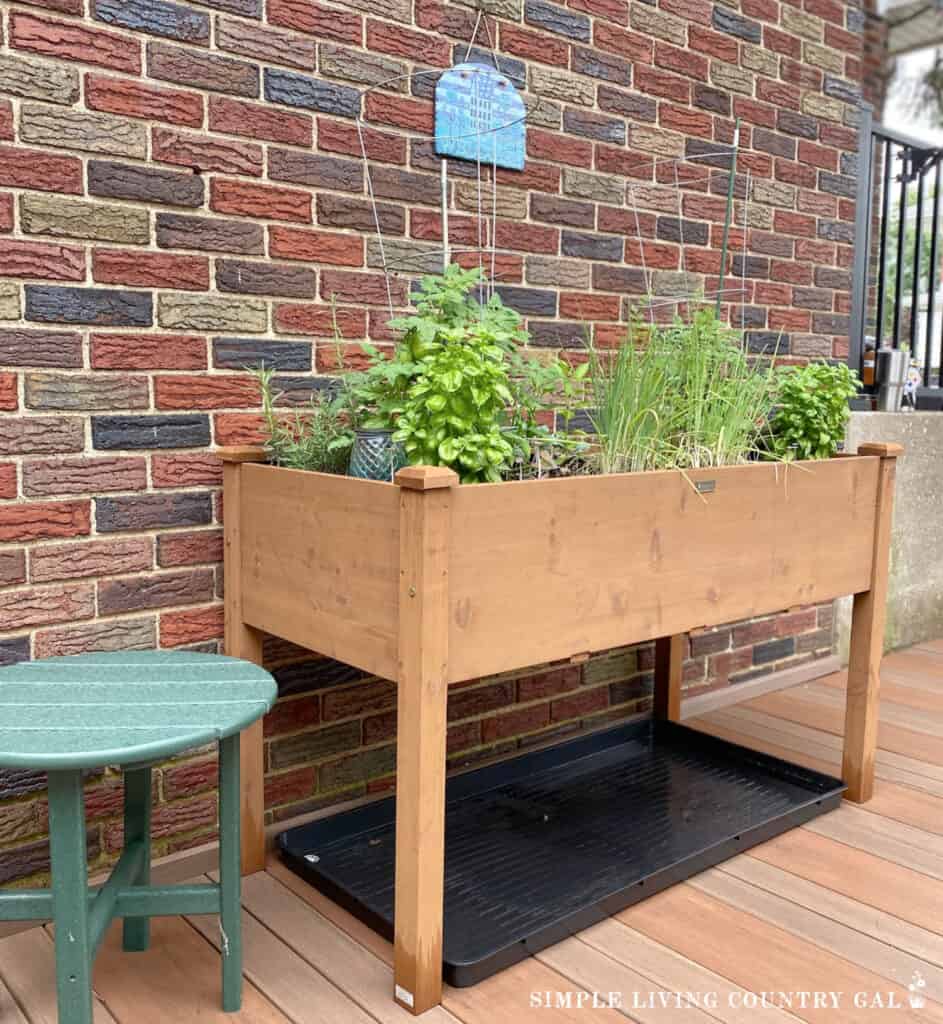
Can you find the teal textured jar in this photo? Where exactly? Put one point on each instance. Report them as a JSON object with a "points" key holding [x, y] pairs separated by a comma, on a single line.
{"points": [[375, 455]]}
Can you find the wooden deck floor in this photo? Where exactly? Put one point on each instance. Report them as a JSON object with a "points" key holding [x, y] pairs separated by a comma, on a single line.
{"points": [[851, 903]]}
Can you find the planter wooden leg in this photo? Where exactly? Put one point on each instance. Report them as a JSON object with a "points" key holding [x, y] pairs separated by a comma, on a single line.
{"points": [[867, 642], [421, 724], [242, 641], [669, 663]]}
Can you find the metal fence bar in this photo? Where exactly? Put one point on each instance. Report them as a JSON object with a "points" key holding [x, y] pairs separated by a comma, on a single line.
{"points": [[882, 256], [901, 235], [933, 278], [859, 286], [918, 253]]}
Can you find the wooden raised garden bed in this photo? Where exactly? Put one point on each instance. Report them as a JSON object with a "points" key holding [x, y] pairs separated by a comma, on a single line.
{"points": [[429, 583]]}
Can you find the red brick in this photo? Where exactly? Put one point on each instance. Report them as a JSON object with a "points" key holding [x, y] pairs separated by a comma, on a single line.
{"points": [[583, 702], [6, 211], [202, 392], [544, 145], [684, 119], [589, 306], [508, 267], [83, 475], [819, 156], [795, 173], [41, 520], [148, 352], [12, 572], [47, 260], [789, 320], [291, 786], [633, 45], [320, 320], [839, 39], [384, 37], [186, 469], [527, 237], [763, 10], [771, 293], [754, 113], [516, 722], [622, 221], [36, 169], [205, 153], [238, 428], [715, 44], [135, 99], [344, 250], [816, 203], [820, 253], [533, 46], [549, 683], [337, 137], [656, 255], [67, 40], [188, 777], [9, 394], [257, 121], [778, 93], [7, 479], [837, 135], [800, 75], [6, 120], [782, 42], [613, 10], [150, 270], [61, 6], [246, 199], [323, 22], [369, 289], [333, 358], [658, 83], [790, 223], [202, 547], [542, 177], [191, 626], [36, 606], [618, 160], [790, 271], [684, 62], [413, 115]]}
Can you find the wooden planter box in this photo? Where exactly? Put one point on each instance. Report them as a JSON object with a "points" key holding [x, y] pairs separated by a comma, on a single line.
{"points": [[429, 583]]}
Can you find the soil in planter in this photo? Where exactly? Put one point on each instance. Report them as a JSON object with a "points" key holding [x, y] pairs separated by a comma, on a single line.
{"points": [[551, 842]]}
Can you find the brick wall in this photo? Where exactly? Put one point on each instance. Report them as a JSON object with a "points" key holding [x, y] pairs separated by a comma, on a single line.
{"points": [[181, 195]]}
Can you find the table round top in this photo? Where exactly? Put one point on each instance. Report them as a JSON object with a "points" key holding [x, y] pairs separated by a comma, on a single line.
{"points": [[91, 710]]}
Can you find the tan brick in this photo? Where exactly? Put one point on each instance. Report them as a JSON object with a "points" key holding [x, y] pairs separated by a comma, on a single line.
{"points": [[38, 79], [561, 85], [11, 305], [83, 475], [824, 57], [656, 23], [213, 313], [112, 635], [510, 202], [801, 24], [726, 76], [404, 256], [603, 188], [85, 391], [657, 140], [823, 106], [37, 606], [73, 218], [774, 192], [547, 270], [755, 58], [92, 133]]}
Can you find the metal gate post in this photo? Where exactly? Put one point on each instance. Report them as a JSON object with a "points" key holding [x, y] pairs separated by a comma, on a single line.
{"points": [[859, 285]]}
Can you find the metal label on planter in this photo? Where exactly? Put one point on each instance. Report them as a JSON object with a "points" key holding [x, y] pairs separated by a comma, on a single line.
{"points": [[705, 486], [479, 116]]}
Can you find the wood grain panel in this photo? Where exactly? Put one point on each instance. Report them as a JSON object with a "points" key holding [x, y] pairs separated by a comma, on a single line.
{"points": [[547, 568], [320, 563]]}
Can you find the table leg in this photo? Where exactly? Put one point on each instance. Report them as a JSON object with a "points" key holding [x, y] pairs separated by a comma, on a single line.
{"points": [[137, 825], [230, 920], [70, 897]]}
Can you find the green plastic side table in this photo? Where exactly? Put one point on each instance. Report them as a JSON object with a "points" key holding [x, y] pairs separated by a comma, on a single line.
{"points": [[66, 715]]}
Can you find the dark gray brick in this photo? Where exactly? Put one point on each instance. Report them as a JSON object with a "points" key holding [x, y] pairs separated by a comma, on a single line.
{"points": [[153, 511], [766, 342], [20, 781], [297, 90], [592, 247], [312, 169], [803, 125], [117, 432], [103, 307], [837, 184], [831, 277], [593, 126], [40, 348], [22, 861], [749, 316], [528, 301], [12, 650], [709, 154], [854, 19], [773, 650], [556, 210], [830, 323], [516, 70], [774, 143], [422, 156], [708, 98], [688, 232], [837, 231], [753, 266], [347, 212], [610, 278], [558, 20], [557, 334], [147, 184], [316, 674], [294, 391], [158, 17], [315, 745], [213, 234], [239, 353], [736, 25], [812, 298], [246, 277], [849, 163], [601, 65], [841, 89], [629, 104]]}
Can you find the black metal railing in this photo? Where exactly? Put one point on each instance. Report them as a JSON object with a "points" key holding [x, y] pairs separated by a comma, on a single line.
{"points": [[897, 249]]}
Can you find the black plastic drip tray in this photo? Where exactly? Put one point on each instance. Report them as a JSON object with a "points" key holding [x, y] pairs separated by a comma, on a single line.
{"points": [[546, 844]]}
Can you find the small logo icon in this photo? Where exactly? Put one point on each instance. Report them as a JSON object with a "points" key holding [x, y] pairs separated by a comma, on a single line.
{"points": [[917, 984]]}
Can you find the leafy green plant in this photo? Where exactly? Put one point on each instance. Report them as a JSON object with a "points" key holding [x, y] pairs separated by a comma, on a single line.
{"points": [[812, 410], [687, 397], [316, 437]]}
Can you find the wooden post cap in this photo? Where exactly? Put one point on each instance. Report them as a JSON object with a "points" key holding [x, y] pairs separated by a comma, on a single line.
{"points": [[426, 478], [885, 451], [242, 453]]}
